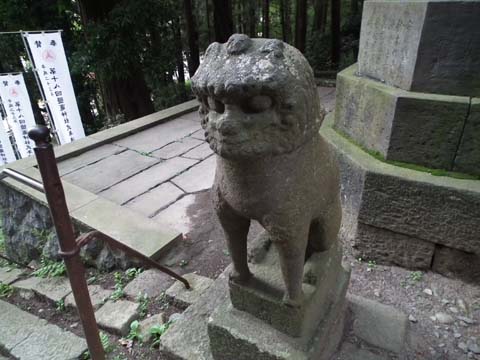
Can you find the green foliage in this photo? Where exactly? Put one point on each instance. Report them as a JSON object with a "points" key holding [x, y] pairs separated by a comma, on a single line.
{"points": [[156, 331], [416, 276], [60, 305], [107, 346], [49, 268], [118, 292], [132, 273], [143, 302], [5, 290], [371, 265], [134, 333]]}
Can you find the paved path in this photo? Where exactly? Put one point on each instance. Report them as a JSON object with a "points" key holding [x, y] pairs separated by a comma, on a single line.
{"points": [[155, 172], [27, 337]]}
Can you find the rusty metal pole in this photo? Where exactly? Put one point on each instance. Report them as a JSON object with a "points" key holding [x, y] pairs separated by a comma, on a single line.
{"points": [[66, 237]]}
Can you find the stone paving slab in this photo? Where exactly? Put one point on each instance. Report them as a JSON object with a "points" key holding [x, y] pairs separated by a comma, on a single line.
{"points": [[198, 178], [109, 171], [150, 282], [149, 203], [156, 137], [127, 226], [378, 324], [76, 196], [144, 123], [8, 275], [116, 316], [28, 337], [176, 215], [98, 295], [53, 289], [176, 148], [187, 338], [200, 152], [182, 297], [87, 158], [199, 134], [146, 180]]}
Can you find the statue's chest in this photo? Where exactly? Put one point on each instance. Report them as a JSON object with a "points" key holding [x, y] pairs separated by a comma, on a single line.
{"points": [[253, 196]]}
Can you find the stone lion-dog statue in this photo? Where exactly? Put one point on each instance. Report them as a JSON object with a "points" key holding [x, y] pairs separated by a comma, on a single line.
{"points": [[261, 115]]}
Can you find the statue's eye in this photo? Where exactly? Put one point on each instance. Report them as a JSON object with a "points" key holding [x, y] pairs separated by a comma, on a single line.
{"points": [[258, 104], [216, 105]]}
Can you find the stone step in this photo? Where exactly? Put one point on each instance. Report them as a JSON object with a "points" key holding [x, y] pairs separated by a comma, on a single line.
{"points": [[27, 337], [182, 297]]}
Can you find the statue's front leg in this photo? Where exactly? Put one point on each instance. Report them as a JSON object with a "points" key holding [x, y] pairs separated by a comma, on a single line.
{"points": [[236, 229], [291, 243]]}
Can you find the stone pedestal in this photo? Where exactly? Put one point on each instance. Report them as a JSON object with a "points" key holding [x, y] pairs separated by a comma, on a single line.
{"points": [[406, 113], [254, 323]]}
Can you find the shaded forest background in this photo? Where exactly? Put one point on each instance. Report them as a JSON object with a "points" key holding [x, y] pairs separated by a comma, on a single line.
{"points": [[129, 58]]}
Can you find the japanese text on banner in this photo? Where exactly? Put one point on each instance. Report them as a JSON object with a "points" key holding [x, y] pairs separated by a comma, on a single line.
{"points": [[52, 69], [19, 111]]}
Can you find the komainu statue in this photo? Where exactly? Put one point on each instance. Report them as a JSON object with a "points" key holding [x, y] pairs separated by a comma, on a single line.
{"points": [[261, 115]]}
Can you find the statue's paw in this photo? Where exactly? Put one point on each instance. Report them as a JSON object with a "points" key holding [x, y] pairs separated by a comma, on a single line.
{"points": [[293, 302], [240, 278]]}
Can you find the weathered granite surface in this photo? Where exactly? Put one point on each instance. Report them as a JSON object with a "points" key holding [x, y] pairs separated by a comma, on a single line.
{"points": [[116, 316], [424, 46], [261, 114], [28, 337], [467, 159], [182, 297], [399, 216], [417, 128]]}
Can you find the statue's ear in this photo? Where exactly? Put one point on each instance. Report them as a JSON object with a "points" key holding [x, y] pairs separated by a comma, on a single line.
{"points": [[273, 46], [213, 49]]}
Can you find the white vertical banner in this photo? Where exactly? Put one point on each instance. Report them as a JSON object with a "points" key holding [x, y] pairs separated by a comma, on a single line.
{"points": [[19, 110], [6, 150], [52, 69]]}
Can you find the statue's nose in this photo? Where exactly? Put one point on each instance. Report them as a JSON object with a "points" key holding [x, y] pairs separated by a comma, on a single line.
{"points": [[227, 126]]}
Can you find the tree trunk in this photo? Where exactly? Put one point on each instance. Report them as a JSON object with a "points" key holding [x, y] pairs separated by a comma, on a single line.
{"points": [[252, 19], [192, 34], [222, 19], [266, 19], [179, 58], [301, 25], [207, 15], [335, 30], [320, 10], [285, 20], [129, 95], [354, 6]]}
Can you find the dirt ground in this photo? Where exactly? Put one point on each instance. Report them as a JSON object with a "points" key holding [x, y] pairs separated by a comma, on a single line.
{"points": [[418, 294]]}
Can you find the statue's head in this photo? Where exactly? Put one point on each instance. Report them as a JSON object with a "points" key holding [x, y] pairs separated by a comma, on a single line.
{"points": [[258, 97]]}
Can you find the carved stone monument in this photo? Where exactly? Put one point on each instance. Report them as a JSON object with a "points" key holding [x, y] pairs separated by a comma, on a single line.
{"points": [[413, 102], [284, 297], [261, 115]]}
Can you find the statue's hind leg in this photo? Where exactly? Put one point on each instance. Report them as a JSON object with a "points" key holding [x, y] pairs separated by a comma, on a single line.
{"points": [[323, 231], [291, 243], [235, 228]]}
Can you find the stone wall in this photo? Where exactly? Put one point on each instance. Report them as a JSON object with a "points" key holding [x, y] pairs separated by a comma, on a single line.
{"points": [[30, 235], [409, 110]]}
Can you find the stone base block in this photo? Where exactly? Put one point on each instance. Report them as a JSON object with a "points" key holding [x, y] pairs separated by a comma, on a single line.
{"points": [[398, 215], [235, 334], [418, 128], [425, 46], [456, 263], [324, 281], [389, 247], [213, 329]]}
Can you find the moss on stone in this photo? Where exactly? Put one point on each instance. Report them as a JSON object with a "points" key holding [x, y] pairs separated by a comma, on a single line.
{"points": [[435, 172]]}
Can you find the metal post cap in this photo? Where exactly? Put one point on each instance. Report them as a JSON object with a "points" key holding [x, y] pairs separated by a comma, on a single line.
{"points": [[40, 134]]}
